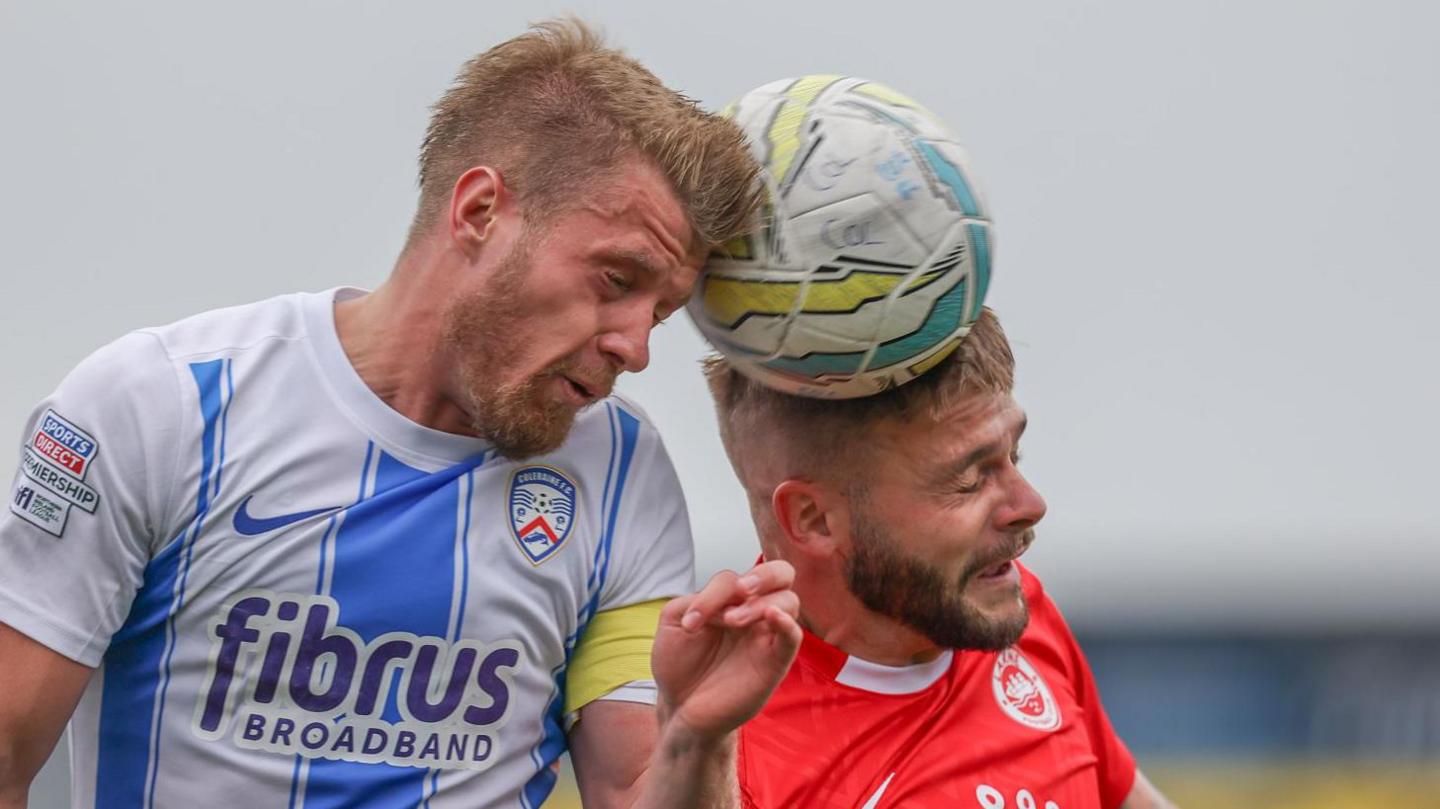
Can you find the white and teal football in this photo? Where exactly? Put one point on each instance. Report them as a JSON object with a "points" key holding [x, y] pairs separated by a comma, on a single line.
{"points": [[873, 252]]}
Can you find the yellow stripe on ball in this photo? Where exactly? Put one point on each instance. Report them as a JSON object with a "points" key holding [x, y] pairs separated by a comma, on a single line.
{"points": [[784, 134], [731, 300]]}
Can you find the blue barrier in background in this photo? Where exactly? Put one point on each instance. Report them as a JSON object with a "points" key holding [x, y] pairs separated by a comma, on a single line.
{"points": [[1188, 695]]}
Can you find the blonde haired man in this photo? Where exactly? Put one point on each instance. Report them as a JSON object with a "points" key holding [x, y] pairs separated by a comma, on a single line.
{"points": [[384, 548], [934, 670]]}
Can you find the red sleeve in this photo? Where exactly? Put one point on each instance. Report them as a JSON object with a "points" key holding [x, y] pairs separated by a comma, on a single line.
{"points": [[1116, 765]]}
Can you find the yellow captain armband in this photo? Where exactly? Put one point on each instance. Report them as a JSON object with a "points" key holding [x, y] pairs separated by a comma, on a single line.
{"points": [[614, 650]]}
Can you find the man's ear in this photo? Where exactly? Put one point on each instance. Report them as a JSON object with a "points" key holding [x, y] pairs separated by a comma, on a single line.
{"points": [[478, 198], [813, 517]]}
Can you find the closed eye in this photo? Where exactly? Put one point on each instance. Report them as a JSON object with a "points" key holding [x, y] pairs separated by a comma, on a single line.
{"points": [[618, 280], [968, 480]]}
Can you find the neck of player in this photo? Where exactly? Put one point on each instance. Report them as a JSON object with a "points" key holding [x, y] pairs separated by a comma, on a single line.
{"points": [[389, 335], [831, 613]]}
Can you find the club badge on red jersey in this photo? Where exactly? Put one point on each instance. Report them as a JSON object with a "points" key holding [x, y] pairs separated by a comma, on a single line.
{"points": [[542, 510], [1022, 693]]}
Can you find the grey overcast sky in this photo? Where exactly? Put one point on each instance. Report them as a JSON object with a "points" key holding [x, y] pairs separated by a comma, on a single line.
{"points": [[1213, 219]]}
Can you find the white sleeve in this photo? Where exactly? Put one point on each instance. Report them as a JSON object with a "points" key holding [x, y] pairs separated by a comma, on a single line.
{"points": [[644, 692], [652, 553], [97, 462]]}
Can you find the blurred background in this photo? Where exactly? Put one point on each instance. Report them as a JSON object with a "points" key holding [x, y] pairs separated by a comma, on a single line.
{"points": [[1212, 261]]}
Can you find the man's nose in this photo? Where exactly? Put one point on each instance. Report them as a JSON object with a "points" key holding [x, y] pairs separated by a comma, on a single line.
{"points": [[1024, 507], [626, 342]]}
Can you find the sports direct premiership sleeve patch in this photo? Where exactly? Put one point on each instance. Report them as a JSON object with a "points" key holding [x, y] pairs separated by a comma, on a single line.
{"points": [[54, 461]]}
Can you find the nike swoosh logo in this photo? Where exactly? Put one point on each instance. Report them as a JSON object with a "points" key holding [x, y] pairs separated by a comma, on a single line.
{"points": [[875, 799], [254, 526]]}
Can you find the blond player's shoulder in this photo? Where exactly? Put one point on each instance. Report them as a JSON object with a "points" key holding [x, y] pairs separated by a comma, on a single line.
{"points": [[632, 407], [221, 331]]}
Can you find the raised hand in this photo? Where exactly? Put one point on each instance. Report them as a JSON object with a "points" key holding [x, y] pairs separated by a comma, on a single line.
{"points": [[720, 652]]}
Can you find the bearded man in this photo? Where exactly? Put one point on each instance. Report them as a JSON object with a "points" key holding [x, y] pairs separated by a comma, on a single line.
{"points": [[934, 671], [403, 547]]}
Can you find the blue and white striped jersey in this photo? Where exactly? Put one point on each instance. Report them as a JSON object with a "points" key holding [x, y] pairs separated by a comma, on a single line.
{"points": [[298, 597]]}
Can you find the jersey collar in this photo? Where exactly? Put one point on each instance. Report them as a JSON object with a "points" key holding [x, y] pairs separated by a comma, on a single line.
{"points": [[873, 677], [414, 442]]}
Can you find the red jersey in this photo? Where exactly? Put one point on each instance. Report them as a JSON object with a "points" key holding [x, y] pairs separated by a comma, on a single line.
{"points": [[1018, 729]]}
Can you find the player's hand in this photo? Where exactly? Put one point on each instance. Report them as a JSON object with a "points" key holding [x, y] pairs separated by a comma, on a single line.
{"points": [[720, 652]]}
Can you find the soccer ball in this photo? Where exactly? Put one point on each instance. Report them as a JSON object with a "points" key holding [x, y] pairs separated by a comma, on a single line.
{"points": [[873, 253]]}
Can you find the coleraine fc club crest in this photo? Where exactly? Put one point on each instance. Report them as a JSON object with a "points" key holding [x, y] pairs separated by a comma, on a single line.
{"points": [[1022, 693], [542, 510]]}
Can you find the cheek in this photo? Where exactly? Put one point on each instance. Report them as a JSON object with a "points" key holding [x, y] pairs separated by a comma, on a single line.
{"points": [[552, 327], [562, 305], [958, 533], [568, 332]]}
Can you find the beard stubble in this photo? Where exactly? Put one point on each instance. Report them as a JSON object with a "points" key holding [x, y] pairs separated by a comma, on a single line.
{"points": [[484, 332], [914, 592]]}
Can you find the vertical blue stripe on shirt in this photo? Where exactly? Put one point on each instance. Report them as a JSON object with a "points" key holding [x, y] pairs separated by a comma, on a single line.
{"points": [[329, 537], [135, 679], [393, 570], [299, 774], [464, 572], [552, 743], [462, 540], [229, 396], [630, 433]]}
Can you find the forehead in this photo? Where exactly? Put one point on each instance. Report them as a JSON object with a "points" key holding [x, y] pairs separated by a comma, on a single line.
{"points": [[635, 219], [636, 197], [974, 421]]}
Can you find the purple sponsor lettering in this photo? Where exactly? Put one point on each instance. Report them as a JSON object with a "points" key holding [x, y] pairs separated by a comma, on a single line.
{"points": [[315, 643], [488, 678], [345, 740], [254, 728], [372, 682], [379, 737], [481, 741], [291, 652], [232, 634], [320, 736], [270, 670], [283, 727], [456, 749], [416, 696]]}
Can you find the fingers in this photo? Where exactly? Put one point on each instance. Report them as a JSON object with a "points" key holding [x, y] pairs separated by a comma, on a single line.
{"points": [[768, 577], [727, 589], [755, 609], [674, 609], [722, 589], [786, 629]]}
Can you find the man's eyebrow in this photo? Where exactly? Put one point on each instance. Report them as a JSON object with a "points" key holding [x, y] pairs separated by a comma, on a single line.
{"points": [[974, 456], [980, 453], [637, 260], [642, 263]]}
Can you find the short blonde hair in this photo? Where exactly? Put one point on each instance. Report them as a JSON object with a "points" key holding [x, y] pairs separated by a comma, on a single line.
{"points": [[771, 436], [554, 108]]}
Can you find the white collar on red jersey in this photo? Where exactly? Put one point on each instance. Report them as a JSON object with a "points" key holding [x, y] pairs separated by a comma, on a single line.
{"points": [[863, 674]]}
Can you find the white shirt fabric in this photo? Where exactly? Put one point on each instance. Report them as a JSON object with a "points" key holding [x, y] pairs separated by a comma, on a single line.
{"points": [[295, 596]]}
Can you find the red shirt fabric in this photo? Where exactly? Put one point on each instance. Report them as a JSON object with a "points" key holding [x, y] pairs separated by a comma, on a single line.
{"points": [[1018, 729]]}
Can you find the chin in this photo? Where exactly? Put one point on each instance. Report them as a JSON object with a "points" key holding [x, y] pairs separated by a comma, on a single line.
{"points": [[1013, 614], [992, 627], [518, 446]]}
